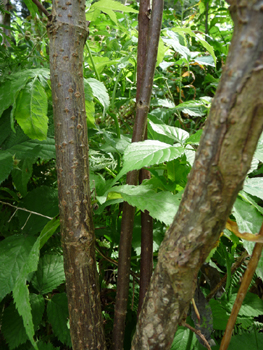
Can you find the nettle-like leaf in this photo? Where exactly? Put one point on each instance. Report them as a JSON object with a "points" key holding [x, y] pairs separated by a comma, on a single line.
{"points": [[246, 341], [31, 110], [166, 133], [220, 315], [12, 324], [50, 273], [24, 148], [6, 165], [57, 313], [254, 186], [108, 7], [14, 252], [252, 305], [99, 91], [146, 153], [21, 293], [161, 206]]}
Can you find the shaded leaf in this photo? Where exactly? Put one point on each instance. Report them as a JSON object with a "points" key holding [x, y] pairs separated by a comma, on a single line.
{"points": [[6, 165]]}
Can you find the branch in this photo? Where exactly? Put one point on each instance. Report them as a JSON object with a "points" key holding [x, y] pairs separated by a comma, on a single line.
{"points": [[27, 210], [42, 8]]}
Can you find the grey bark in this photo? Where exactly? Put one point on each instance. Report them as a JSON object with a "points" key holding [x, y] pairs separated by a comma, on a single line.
{"points": [[222, 161], [68, 32]]}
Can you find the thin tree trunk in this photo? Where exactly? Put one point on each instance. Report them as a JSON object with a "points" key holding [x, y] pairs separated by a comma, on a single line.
{"points": [[146, 219], [142, 108], [222, 161], [68, 32]]}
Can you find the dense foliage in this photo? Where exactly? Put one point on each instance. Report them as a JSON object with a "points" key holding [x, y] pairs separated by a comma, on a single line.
{"points": [[192, 52]]}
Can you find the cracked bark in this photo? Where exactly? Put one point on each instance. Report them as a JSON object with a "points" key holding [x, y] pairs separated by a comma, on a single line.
{"points": [[68, 32], [222, 161]]}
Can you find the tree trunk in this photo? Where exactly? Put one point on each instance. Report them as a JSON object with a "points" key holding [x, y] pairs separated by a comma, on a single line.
{"points": [[68, 32], [222, 161]]}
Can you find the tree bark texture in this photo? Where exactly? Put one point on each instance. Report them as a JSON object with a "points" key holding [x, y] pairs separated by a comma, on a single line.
{"points": [[68, 32], [222, 161], [142, 108]]}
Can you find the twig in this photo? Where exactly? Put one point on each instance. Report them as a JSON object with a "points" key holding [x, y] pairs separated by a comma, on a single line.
{"points": [[198, 333], [24, 209], [251, 267]]}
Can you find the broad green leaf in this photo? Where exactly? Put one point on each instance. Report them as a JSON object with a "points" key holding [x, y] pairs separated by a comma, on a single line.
{"points": [[6, 165], [50, 273], [161, 206], [254, 186], [259, 151], [21, 293], [33, 9], [175, 44], [161, 52], [193, 108], [99, 91], [12, 324], [49, 230], [247, 198], [166, 133], [251, 341], [220, 315], [43, 149], [249, 220], [252, 305], [57, 313], [46, 346], [90, 110], [31, 110], [5, 126], [195, 138], [183, 339], [205, 60], [104, 5], [14, 251]]}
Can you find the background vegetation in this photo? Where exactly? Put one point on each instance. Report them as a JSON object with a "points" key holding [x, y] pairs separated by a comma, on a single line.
{"points": [[192, 51]]}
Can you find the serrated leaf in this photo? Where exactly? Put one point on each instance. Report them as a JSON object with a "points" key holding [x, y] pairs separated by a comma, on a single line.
{"points": [[252, 305], [6, 165], [21, 293], [246, 341], [57, 313], [99, 91], [31, 110], [220, 315], [50, 274], [183, 339], [161, 206], [104, 5], [12, 324], [43, 149], [166, 133], [254, 186], [14, 251], [45, 346]]}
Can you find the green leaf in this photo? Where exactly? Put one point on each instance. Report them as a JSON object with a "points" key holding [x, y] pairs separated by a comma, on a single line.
{"points": [[254, 186], [49, 229], [57, 313], [6, 165], [220, 315], [14, 251], [33, 9], [166, 133], [246, 341], [45, 346], [31, 110], [161, 206], [43, 149], [104, 5], [99, 91], [252, 305], [49, 275], [12, 324], [259, 151], [183, 339], [21, 293], [195, 138]]}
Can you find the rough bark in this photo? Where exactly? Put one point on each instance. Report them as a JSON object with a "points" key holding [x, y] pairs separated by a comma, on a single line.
{"points": [[5, 19], [68, 31], [222, 161], [142, 108]]}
